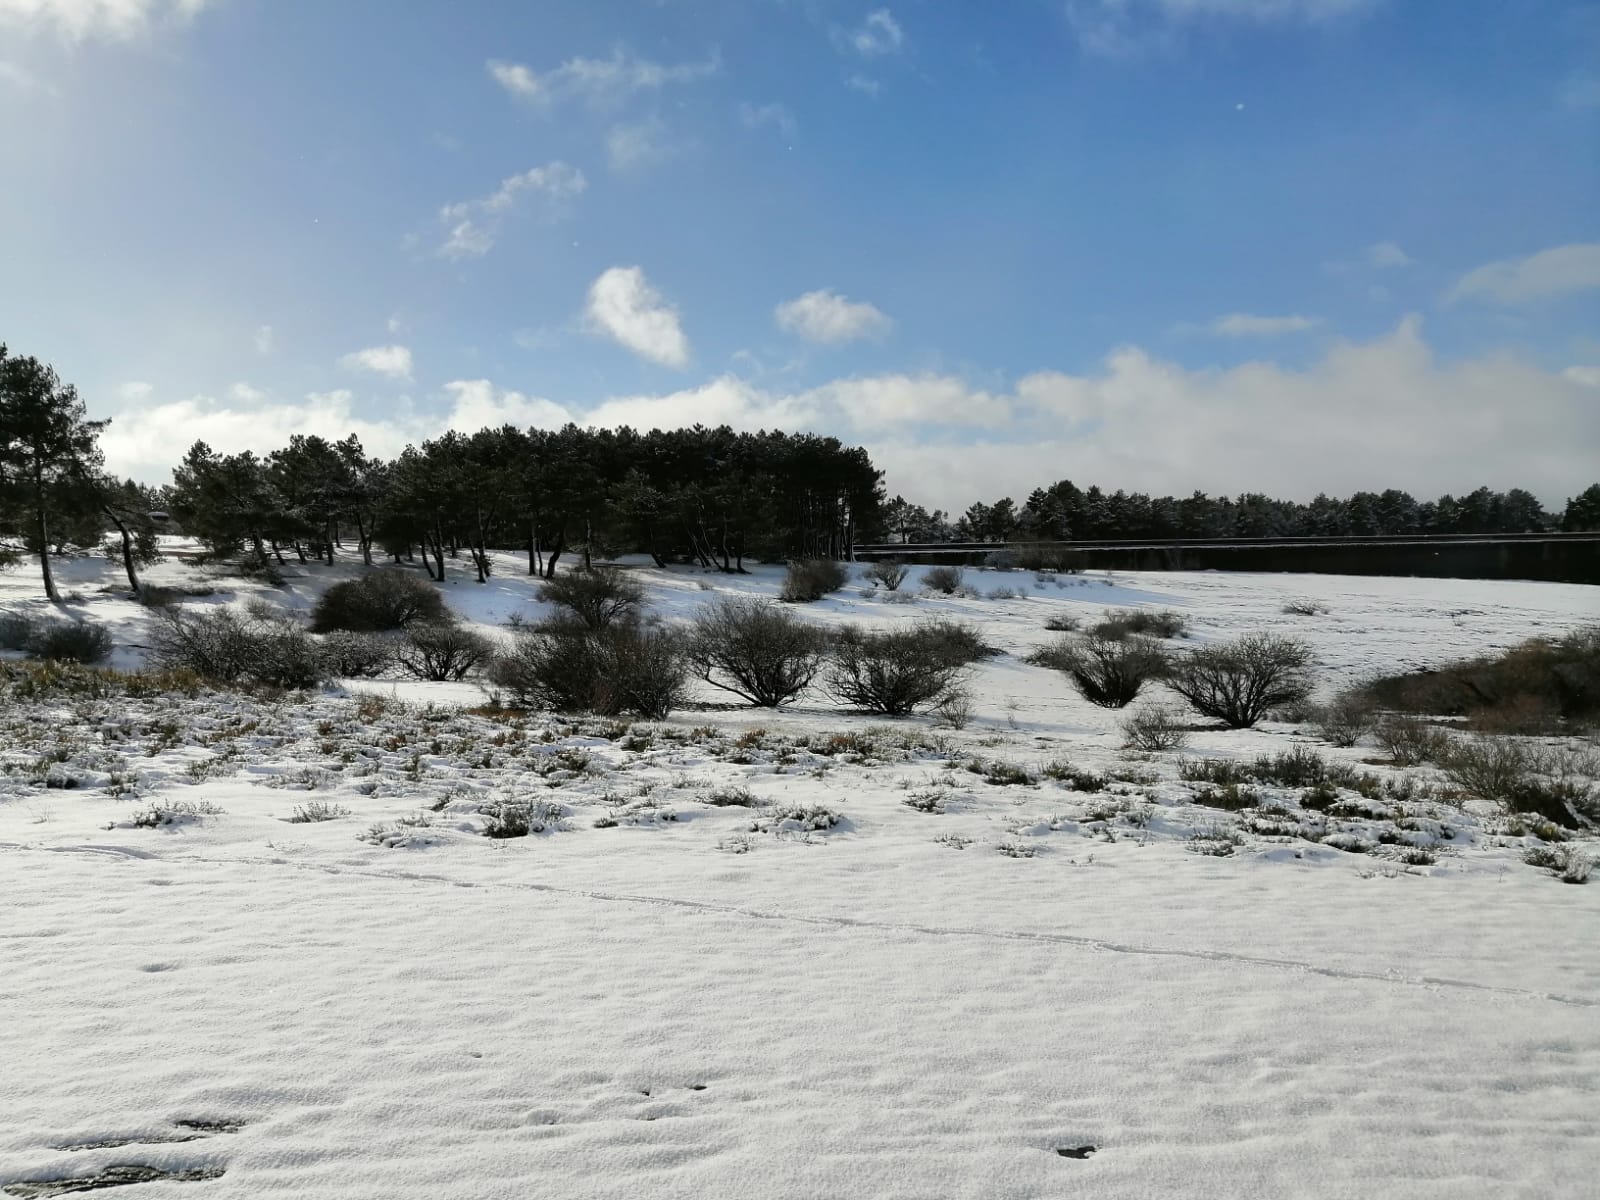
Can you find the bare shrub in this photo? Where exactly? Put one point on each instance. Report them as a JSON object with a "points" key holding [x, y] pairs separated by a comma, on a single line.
{"points": [[1560, 675], [17, 629], [1239, 682], [441, 653], [377, 602], [1106, 672], [357, 655], [70, 641], [954, 708], [1000, 560], [1569, 864], [1154, 728], [1345, 719], [1118, 625], [757, 650], [564, 666], [1062, 623], [961, 640], [890, 572], [598, 598], [227, 646], [1522, 777], [808, 580], [1409, 742], [893, 672], [1305, 608], [946, 580]]}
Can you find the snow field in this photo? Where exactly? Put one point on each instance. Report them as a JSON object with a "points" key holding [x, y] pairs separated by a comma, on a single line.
{"points": [[727, 1004]]}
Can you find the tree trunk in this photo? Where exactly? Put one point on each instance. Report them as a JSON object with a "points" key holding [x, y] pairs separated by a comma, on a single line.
{"points": [[127, 550], [44, 557]]}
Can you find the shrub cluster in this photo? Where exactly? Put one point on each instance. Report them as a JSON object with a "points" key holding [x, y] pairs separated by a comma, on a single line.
{"points": [[1239, 682], [567, 666], [52, 640], [945, 580], [441, 653], [1539, 678], [228, 646], [889, 572], [808, 580], [597, 598], [895, 672], [756, 650], [1107, 672], [377, 602], [1155, 727], [1118, 625]]}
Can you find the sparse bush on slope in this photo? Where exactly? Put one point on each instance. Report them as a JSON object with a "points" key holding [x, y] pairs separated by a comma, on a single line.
{"points": [[596, 598], [227, 646], [378, 602], [946, 580], [893, 672], [757, 650], [890, 572], [1107, 672], [1118, 625], [564, 666], [441, 653], [810, 580], [1239, 682]]}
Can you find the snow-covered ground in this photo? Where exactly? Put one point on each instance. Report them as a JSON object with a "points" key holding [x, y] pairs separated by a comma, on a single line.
{"points": [[948, 992]]}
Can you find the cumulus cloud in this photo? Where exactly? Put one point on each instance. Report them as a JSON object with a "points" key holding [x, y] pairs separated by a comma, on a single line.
{"points": [[392, 361], [1558, 271], [599, 82], [879, 34], [82, 20], [828, 318], [135, 390], [624, 307], [472, 226], [264, 339], [1247, 325]]}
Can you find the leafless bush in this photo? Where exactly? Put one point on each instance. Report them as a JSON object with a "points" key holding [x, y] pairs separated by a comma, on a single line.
{"points": [[890, 572], [17, 629], [1305, 608], [756, 650], [1106, 672], [1239, 682], [1409, 741], [70, 641], [1156, 727], [565, 666], [1345, 719], [357, 655], [1118, 625], [893, 672], [227, 646], [946, 580], [442, 652], [954, 708], [380, 601], [598, 598], [808, 580], [1522, 777], [1062, 623]]}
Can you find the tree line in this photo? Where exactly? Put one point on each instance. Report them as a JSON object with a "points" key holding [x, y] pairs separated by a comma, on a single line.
{"points": [[1064, 512], [712, 496]]}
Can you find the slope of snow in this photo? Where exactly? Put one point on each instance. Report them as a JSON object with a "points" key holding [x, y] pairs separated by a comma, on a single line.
{"points": [[662, 996]]}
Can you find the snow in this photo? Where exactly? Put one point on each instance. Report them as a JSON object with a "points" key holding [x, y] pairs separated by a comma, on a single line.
{"points": [[724, 1003]]}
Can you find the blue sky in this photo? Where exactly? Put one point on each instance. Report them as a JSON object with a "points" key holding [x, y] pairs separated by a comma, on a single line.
{"points": [[1282, 245]]}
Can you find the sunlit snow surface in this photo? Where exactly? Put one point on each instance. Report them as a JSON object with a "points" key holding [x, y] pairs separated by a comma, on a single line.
{"points": [[695, 1008]]}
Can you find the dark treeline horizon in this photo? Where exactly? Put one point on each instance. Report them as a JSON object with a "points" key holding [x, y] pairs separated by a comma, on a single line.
{"points": [[712, 496]]}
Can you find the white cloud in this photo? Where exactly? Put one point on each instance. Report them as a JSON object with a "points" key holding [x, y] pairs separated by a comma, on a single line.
{"points": [[245, 393], [827, 317], [264, 339], [623, 306], [1558, 271], [879, 34], [1587, 376], [864, 84], [632, 147], [81, 20], [600, 82], [135, 390], [1387, 254], [15, 76], [471, 226], [1118, 28], [392, 361], [755, 116], [1246, 325], [478, 404]]}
